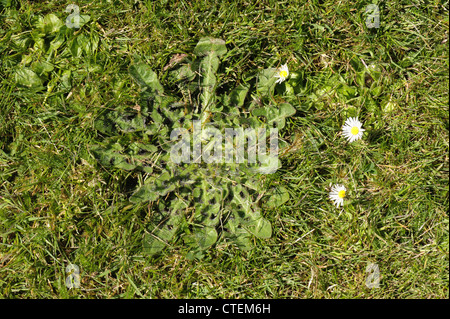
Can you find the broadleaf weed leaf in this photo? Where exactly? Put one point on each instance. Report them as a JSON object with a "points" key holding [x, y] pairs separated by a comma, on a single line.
{"points": [[207, 201]]}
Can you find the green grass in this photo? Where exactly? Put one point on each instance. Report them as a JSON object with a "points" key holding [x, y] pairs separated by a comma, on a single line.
{"points": [[59, 206]]}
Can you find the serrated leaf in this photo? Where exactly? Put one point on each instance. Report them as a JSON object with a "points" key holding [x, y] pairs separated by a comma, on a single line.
{"points": [[130, 122], [275, 115], [211, 198], [140, 147], [183, 73], [145, 77], [121, 162], [277, 197], [161, 235], [195, 254], [204, 237], [260, 227], [105, 123], [144, 194], [238, 235], [243, 242], [269, 164], [242, 200], [207, 214], [111, 157], [153, 188]]}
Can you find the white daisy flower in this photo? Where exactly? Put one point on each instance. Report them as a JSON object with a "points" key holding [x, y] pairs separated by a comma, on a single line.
{"points": [[352, 129], [337, 195], [282, 74]]}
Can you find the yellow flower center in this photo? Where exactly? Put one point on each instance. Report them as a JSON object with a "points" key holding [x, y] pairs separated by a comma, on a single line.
{"points": [[283, 74], [341, 194], [354, 130]]}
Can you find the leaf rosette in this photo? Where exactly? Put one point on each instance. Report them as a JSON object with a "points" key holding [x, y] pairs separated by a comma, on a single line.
{"points": [[197, 202]]}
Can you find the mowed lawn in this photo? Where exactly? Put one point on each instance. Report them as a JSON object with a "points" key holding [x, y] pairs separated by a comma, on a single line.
{"points": [[59, 206]]}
